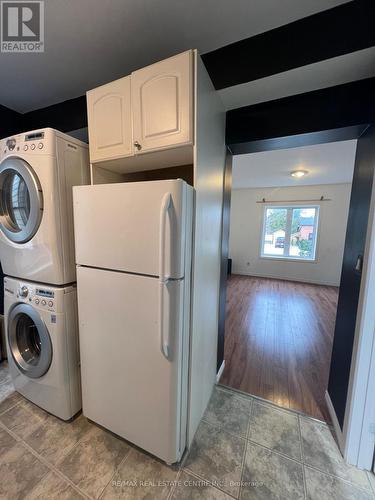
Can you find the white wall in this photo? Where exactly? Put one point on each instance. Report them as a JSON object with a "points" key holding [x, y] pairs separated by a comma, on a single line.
{"points": [[246, 230]]}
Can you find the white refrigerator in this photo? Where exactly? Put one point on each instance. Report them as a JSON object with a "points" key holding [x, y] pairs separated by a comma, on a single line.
{"points": [[133, 253]]}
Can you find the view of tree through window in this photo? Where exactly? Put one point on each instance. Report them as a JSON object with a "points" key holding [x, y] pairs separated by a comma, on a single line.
{"points": [[290, 232]]}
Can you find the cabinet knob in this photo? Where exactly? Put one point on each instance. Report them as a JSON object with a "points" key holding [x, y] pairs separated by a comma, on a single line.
{"points": [[137, 145]]}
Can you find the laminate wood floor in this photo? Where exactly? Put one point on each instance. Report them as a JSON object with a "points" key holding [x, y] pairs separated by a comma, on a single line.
{"points": [[278, 341]]}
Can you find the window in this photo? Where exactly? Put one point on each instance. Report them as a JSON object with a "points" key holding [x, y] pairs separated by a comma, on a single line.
{"points": [[290, 232]]}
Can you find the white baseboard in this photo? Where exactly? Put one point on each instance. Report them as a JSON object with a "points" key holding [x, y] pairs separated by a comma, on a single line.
{"points": [[285, 278], [335, 422], [220, 372]]}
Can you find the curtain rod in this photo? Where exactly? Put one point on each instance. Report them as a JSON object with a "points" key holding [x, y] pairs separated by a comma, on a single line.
{"points": [[294, 201]]}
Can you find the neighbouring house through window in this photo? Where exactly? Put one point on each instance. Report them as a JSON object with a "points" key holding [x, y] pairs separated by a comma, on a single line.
{"points": [[290, 232]]}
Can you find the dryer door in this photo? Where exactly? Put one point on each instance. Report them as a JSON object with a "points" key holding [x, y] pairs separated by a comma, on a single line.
{"points": [[21, 200], [29, 341]]}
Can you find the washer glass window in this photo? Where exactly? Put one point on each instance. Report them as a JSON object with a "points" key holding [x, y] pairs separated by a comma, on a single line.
{"points": [[21, 200], [16, 201], [29, 341]]}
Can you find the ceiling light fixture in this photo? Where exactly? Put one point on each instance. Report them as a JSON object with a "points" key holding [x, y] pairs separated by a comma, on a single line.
{"points": [[298, 173]]}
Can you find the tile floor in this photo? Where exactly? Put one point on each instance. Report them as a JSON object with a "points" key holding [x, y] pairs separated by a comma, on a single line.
{"points": [[244, 448]]}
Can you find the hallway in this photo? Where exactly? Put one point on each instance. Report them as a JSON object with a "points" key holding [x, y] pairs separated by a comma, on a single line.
{"points": [[278, 341]]}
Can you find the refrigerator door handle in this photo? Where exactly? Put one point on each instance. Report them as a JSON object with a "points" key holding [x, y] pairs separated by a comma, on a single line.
{"points": [[164, 344], [163, 279], [165, 205]]}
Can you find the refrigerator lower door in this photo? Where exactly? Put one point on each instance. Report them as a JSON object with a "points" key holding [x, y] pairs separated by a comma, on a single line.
{"points": [[132, 384]]}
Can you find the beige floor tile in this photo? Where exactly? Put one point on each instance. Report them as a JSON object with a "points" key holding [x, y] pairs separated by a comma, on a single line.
{"points": [[275, 429], [321, 486], [92, 463], [5, 378], [269, 476], [53, 487], [6, 442], [55, 438], [23, 419], [20, 471], [140, 476], [229, 411], [320, 451], [217, 457], [9, 400], [191, 488]]}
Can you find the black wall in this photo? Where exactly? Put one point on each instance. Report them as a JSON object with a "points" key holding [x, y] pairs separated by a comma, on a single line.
{"points": [[326, 34], [351, 278], [274, 124], [10, 121], [225, 219], [64, 116]]}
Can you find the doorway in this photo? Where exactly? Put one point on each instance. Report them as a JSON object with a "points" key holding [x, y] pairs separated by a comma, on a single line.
{"points": [[288, 219]]}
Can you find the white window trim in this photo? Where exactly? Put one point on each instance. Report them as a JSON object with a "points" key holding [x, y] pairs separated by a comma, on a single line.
{"points": [[289, 208]]}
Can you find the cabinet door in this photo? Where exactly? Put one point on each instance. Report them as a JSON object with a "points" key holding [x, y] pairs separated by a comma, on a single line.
{"points": [[162, 104], [109, 121]]}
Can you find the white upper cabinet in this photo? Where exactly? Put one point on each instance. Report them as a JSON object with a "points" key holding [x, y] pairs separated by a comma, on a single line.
{"points": [[162, 104], [110, 121]]}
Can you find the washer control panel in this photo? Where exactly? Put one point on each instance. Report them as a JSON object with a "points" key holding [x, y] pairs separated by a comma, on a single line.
{"points": [[40, 297], [45, 298]]}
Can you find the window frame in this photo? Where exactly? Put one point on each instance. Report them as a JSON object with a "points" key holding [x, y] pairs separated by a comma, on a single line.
{"points": [[289, 208]]}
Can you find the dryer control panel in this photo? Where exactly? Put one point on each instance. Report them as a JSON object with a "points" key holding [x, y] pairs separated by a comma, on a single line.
{"points": [[36, 142], [33, 141]]}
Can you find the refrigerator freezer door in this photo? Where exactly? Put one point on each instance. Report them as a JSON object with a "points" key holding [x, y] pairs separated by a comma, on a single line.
{"points": [[128, 385], [121, 226]]}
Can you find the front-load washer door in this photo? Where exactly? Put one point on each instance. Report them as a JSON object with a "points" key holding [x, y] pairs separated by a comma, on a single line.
{"points": [[29, 341], [21, 200]]}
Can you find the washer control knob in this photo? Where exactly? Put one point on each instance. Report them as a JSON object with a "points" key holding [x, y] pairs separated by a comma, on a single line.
{"points": [[24, 291], [11, 143], [44, 302], [26, 147], [32, 146], [40, 145], [36, 301], [50, 303]]}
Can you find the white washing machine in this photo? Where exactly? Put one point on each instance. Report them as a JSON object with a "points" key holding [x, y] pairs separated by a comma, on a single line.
{"points": [[37, 172], [42, 343]]}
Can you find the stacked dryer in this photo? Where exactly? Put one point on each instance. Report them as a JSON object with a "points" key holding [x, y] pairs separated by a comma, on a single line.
{"points": [[37, 172]]}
